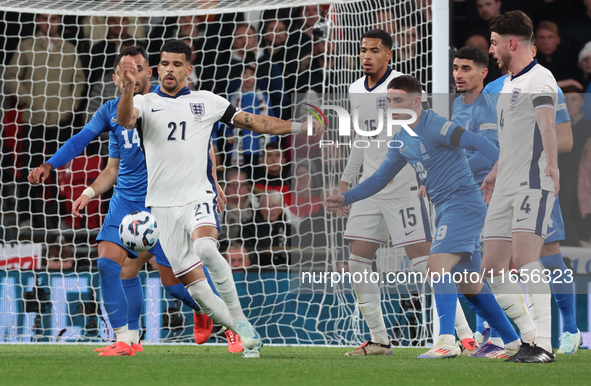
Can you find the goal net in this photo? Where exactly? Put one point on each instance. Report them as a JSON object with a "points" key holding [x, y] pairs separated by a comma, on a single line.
{"points": [[57, 66]]}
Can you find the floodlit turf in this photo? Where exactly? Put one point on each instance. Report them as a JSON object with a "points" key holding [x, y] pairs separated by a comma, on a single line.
{"points": [[302, 366]]}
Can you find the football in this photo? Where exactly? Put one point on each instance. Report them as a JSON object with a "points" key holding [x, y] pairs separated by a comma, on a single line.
{"points": [[139, 231]]}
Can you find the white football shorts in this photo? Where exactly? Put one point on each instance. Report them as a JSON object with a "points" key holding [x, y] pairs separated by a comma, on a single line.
{"points": [[527, 211], [177, 224], [405, 219]]}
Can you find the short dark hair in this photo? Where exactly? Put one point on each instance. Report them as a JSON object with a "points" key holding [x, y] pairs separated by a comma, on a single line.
{"points": [[475, 54], [177, 47], [272, 146], [379, 34], [514, 23], [407, 83], [130, 51]]}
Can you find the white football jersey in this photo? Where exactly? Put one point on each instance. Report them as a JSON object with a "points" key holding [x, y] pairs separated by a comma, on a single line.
{"points": [[522, 159], [370, 104], [175, 133]]}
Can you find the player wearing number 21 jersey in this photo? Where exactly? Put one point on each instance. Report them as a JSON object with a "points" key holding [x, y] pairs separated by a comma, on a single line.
{"points": [[175, 126]]}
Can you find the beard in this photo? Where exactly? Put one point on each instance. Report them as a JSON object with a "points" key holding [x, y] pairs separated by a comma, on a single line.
{"points": [[505, 62]]}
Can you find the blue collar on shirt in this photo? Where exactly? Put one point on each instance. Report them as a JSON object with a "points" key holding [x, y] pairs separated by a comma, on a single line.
{"points": [[526, 69], [183, 91], [386, 75]]}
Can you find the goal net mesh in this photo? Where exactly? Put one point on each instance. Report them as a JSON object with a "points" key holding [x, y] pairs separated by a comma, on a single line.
{"points": [[57, 70]]}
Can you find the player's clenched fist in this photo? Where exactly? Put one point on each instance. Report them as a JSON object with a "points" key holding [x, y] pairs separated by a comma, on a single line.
{"points": [[128, 70], [40, 173], [333, 203]]}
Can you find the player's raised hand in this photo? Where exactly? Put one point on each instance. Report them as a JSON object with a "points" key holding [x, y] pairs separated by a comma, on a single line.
{"points": [[128, 70], [334, 202], [80, 204], [553, 173], [317, 128], [222, 199], [40, 173]]}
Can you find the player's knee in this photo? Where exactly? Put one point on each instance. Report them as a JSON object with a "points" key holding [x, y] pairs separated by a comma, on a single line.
{"points": [[205, 247]]}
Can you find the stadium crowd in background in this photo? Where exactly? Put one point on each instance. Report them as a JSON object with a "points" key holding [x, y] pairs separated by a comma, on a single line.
{"points": [[259, 65]]}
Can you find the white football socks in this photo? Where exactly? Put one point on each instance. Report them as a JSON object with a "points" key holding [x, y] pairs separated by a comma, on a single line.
{"points": [[213, 306], [512, 301], [369, 300], [135, 336], [123, 334], [538, 299], [207, 250], [462, 327]]}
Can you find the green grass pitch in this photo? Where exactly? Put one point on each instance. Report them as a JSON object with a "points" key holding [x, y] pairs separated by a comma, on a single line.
{"points": [[302, 366]]}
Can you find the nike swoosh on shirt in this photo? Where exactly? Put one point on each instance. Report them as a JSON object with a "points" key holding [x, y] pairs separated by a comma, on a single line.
{"points": [[408, 233], [154, 111], [402, 151], [551, 233], [521, 219], [114, 120], [433, 246]]}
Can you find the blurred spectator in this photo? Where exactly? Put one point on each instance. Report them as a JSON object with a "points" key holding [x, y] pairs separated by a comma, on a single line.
{"points": [[493, 68], [269, 234], [487, 10], [202, 77], [477, 41], [307, 210], [312, 79], [550, 56], [46, 79], [386, 20], [240, 206], [189, 27], [584, 194], [273, 173], [95, 28], [104, 89], [569, 168], [60, 257], [103, 53], [268, 76], [576, 33], [275, 51], [237, 256], [251, 100], [302, 38], [410, 56]]}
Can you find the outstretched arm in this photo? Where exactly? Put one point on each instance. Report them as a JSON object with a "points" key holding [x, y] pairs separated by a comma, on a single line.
{"points": [[469, 140], [105, 181], [393, 163], [72, 148], [265, 124]]}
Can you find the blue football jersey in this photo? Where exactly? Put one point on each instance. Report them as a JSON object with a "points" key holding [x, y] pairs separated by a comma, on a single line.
{"points": [[132, 180], [480, 117], [442, 167], [562, 116]]}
